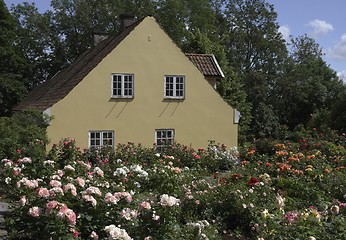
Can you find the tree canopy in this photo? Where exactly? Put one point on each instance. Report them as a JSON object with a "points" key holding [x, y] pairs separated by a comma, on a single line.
{"points": [[273, 83]]}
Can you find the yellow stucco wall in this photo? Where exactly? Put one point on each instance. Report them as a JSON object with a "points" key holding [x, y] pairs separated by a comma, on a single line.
{"points": [[149, 54]]}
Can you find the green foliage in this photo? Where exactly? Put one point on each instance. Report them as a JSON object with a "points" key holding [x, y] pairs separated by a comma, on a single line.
{"points": [[12, 65], [309, 87], [338, 113], [271, 82], [274, 189], [23, 134]]}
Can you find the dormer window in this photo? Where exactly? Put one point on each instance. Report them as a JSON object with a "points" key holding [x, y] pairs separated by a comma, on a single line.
{"points": [[175, 87], [122, 85]]}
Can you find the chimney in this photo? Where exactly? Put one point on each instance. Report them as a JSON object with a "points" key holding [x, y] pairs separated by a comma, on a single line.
{"points": [[98, 37], [126, 20]]}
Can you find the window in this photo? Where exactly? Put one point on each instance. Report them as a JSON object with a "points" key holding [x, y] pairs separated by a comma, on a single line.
{"points": [[122, 85], [164, 138], [175, 87], [101, 138]]}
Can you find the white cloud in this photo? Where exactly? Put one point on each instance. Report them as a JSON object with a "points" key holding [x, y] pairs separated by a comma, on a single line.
{"points": [[285, 31], [319, 27], [338, 52], [342, 75]]}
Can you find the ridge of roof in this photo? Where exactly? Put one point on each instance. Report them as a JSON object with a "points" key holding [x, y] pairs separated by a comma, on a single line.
{"points": [[206, 63], [53, 90]]}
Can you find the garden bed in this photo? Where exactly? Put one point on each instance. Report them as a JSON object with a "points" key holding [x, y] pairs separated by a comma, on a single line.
{"points": [[270, 190]]}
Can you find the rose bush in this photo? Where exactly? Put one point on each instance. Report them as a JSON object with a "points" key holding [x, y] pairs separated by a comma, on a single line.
{"points": [[292, 190]]}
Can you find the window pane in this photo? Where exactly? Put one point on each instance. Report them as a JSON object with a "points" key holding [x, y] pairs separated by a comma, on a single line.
{"points": [[101, 138], [164, 138], [179, 86], [169, 86], [122, 85]]}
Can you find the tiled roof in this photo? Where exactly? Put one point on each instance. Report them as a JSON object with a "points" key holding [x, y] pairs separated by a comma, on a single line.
{"points": [[47, 94], [206, 63]]}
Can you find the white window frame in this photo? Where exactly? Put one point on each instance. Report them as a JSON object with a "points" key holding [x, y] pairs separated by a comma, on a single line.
{"points": [[175, 85], [101, 138], [122, 85], [160, 146]]}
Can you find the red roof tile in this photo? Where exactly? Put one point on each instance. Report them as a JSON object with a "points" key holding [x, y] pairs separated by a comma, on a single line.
{"points": [[206, 63]]}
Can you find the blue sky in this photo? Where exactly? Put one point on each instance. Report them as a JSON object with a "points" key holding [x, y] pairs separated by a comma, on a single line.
{"points": [[323, 20]]}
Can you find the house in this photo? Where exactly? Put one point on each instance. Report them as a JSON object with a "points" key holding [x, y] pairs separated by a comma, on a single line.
{"points": [[137, 86]]}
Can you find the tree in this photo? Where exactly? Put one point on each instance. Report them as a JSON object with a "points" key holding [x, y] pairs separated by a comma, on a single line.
{"points": [[309, 87], [338, 113], [23, 134], [256, 51], [36, 41], [12, 65]]}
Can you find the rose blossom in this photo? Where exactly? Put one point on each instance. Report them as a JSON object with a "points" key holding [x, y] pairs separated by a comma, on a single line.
{"points": [[144, 206], [55, 177], [110, 198], [279, 202], [92, 190], [7, 162], [60, 172], [34, 211], [291, 216], [89, 198], [80, 181], [49, 162], [116, 233], [27, 183], [69, 214], [335, 209], [69, 167], [128, 197], [168, 201], [22, 201], [94, 236], [55, 183], [98, 171], [155, 217], [125, 195], [71, 187], [42, 192], [50, 206], [54, 191], [8, 180], [25, 160], [128, 214]]}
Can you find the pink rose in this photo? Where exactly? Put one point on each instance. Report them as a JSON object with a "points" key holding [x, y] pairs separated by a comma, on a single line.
{"points": [[22, 201], [34, 211], [55, 183], [80, 181], [71, 217], [144, 206], [91, 199], [50, 206], [42, 192]]}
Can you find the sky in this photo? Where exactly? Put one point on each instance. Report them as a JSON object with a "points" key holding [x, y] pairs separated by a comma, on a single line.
{"points": [[323, 20]]}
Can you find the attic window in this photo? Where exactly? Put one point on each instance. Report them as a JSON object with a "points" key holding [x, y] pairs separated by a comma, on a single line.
{"points": [[175, 87], [122, 85]]}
